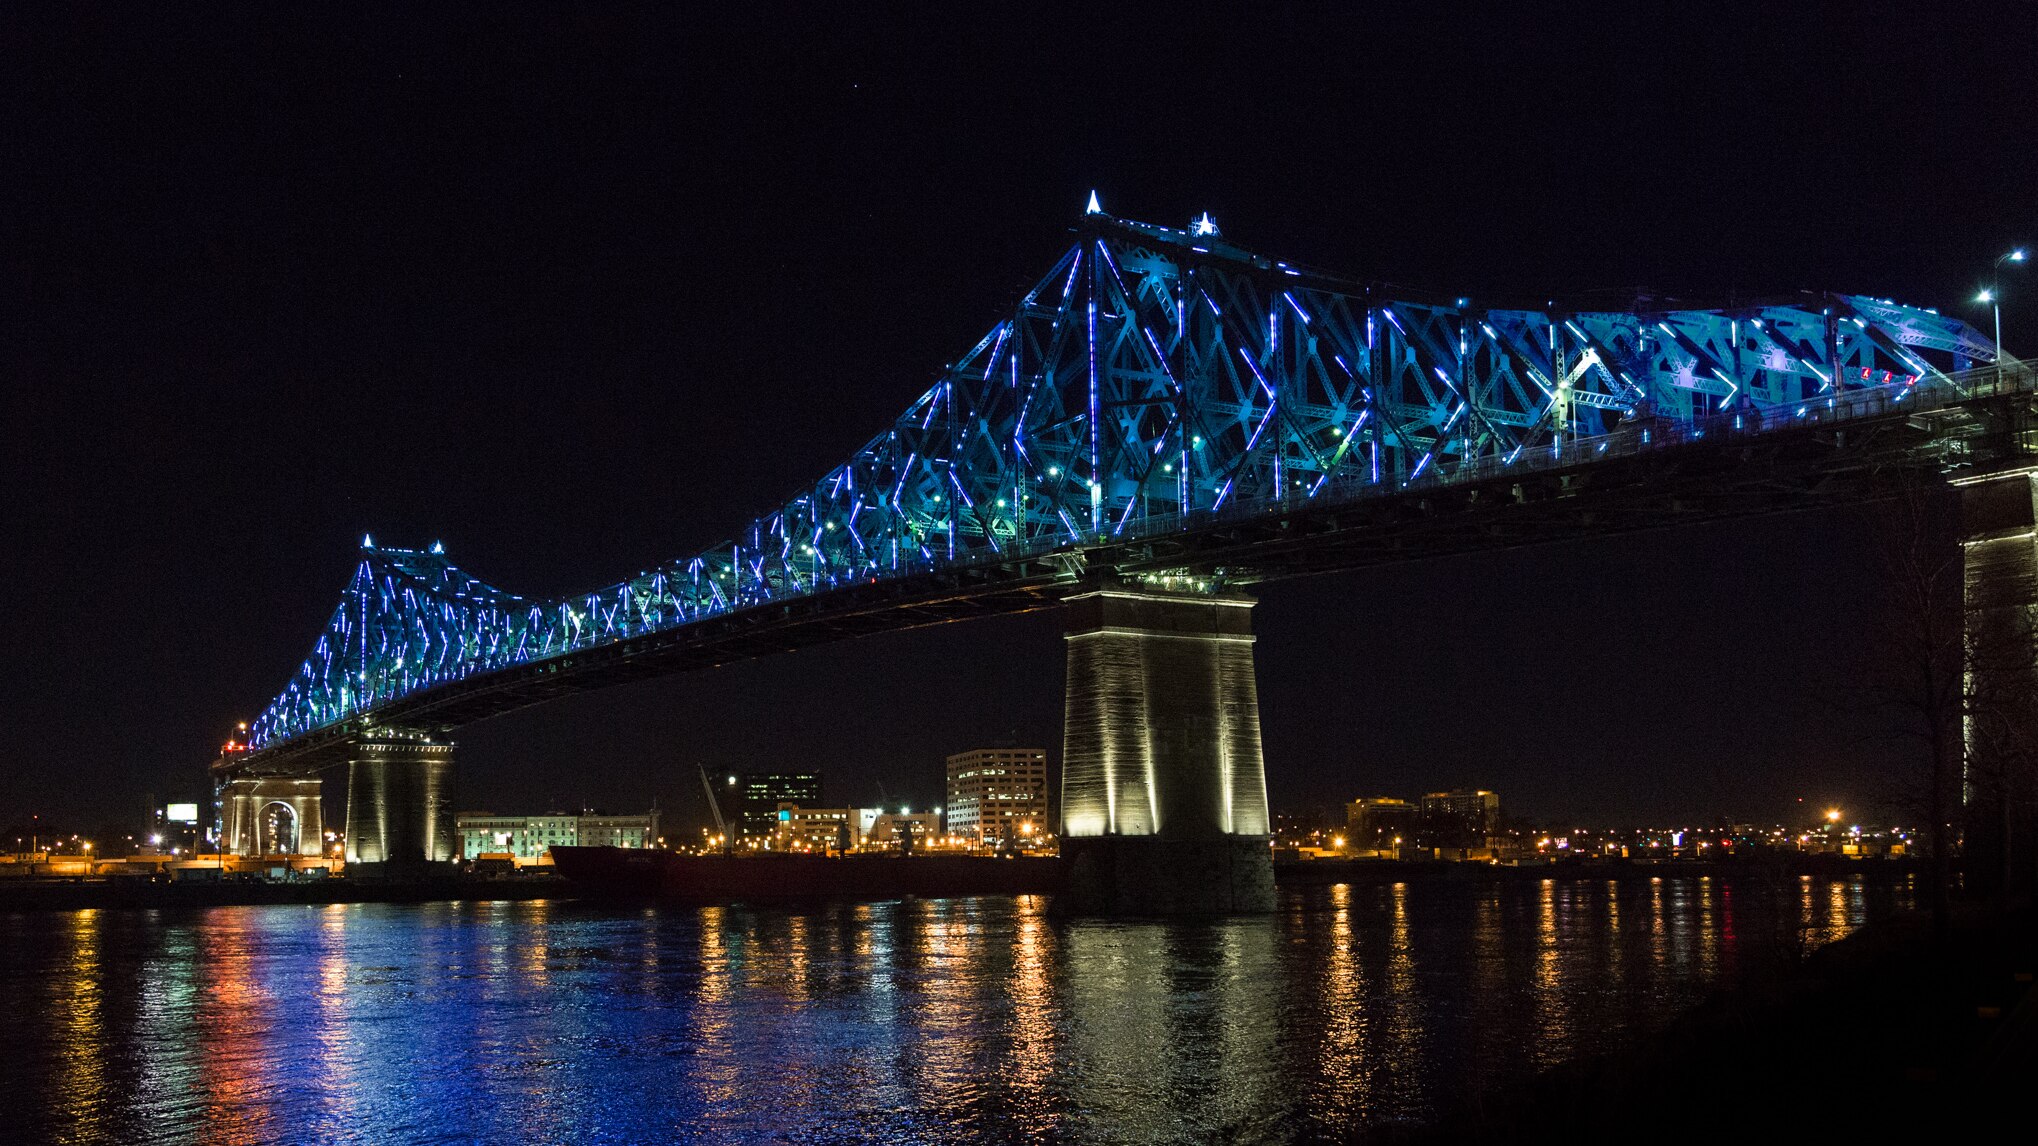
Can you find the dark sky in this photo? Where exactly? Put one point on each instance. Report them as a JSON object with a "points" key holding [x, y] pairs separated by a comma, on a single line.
{"points": [[577, 292]]}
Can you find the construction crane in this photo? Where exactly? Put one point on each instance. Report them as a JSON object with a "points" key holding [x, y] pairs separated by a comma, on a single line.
{"points": [[715, 807]]}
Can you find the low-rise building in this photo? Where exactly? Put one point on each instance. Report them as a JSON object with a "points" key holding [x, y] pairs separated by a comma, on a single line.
{"points": [[888, 829], [1379, 826], [818, 829], [529, 837]]}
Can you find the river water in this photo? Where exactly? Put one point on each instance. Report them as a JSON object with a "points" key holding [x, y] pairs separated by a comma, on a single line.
{"points": [[1352, 1008]]}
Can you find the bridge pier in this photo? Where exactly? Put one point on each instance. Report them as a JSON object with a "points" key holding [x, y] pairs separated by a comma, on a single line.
{"points": [[272, 815], [1999, 544], [400, 803], [1164, 794]]}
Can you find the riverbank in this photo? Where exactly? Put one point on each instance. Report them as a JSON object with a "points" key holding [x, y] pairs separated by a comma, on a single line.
{"points": [[1325, 872], [1890, 1031], [71, 895]]}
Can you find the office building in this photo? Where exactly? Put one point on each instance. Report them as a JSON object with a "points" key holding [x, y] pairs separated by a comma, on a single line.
{"points": [[997, 794], [1460, 822], [759, 794]]}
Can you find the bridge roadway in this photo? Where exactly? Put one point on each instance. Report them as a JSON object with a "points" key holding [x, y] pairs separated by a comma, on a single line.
{"points": [[1614, 483]]}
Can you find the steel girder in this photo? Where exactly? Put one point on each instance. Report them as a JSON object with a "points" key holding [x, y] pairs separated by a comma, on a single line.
{"points": [[1152, 381]]}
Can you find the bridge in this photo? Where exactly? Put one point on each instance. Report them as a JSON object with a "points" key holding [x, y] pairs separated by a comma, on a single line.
{"points": [[1162, 421]]}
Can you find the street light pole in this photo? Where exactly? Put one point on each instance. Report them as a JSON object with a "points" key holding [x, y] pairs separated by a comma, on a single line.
{"points": [[1996, 306], [1993, 296]]}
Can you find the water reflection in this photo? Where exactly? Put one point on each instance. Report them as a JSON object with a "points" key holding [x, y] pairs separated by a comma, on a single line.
{"points": [[77, 1006], [950, 1020]]}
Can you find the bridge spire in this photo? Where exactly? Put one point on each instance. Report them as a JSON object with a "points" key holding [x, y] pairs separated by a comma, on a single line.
{"points": [[1093, 208]]}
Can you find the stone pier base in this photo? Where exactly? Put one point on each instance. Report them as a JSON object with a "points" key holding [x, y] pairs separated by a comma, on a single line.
{"points": [[1151, 875], [1164, 793]]}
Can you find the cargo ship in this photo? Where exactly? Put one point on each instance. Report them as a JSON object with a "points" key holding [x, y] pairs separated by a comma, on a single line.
{"points": [[639, 873]]}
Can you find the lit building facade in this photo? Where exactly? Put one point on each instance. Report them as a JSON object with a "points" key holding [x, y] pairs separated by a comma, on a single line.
{"points": [[759, 795], [889, 829], [997, 794], [820, 829], [528, 837]]}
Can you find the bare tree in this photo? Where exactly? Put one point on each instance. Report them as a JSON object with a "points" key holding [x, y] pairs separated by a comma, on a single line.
{"points": [[1959, 678], [1919, 681]]}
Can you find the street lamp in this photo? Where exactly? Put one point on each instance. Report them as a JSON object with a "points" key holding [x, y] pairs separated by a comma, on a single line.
{"points": [[1993, 296]]}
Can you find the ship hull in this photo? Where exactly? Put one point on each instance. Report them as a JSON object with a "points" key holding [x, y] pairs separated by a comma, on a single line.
{"points": [[633, 873]]}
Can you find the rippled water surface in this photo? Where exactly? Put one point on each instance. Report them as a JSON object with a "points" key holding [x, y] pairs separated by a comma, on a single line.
{"points": [[945, 1020]]}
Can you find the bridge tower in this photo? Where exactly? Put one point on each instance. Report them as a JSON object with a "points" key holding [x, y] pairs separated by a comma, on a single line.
{"points": [[400, 801], [1999, 543], [262, 812], [1164, 791]]}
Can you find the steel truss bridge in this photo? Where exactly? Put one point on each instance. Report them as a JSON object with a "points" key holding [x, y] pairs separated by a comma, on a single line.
{"points": [[1165, 405]]}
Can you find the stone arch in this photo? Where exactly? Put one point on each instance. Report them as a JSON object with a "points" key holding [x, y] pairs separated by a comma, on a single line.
{"points": [[276, 828]]}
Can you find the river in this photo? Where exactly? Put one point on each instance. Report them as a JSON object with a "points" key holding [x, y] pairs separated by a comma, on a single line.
{"points": [[1351, 1008]]}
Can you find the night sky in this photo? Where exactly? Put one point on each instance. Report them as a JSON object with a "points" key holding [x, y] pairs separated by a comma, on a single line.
{"points": [[577, 292]]}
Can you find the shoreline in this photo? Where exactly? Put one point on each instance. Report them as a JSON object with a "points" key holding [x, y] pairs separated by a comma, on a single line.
{"points": [[1323, 872], [74, 894]]}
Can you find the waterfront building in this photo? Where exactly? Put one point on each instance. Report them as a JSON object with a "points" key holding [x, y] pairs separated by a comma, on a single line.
{"points": [[1379, 825], [760, 794], [1456, 824], [819, 829], [529, 837], [997, 794], [888, 829]]}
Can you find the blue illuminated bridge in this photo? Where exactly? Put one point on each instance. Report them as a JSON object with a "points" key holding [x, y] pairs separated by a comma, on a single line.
{"points": [[1167, 411]]}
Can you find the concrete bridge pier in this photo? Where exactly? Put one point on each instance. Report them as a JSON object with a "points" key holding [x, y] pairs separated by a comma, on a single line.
{"points": [[1999, 543], [400, 803], [272, 815], [1164, 792]]}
